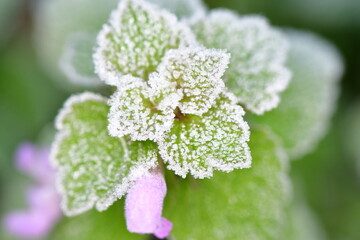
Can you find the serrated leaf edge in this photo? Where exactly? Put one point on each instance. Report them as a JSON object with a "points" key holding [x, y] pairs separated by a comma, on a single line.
{"points": [[101, 64], [119, 190], [278, 64], [181, 171]]}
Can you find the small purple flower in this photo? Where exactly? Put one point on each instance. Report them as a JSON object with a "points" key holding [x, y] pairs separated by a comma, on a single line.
{"points": [[43, 201], [143, 206]]}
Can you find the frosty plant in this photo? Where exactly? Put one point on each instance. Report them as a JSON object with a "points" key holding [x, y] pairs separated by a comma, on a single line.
{"points": [[180, 85]]}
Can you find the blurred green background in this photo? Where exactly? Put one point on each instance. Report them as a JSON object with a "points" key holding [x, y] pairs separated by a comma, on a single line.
{"points": [[31, 94]]}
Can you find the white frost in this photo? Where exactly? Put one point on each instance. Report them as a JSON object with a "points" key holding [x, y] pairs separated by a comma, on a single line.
{"points": [[215, 141], [134, 113], [197, 73], [94, 169], [256, 73], [135, 40], [75, 99]]}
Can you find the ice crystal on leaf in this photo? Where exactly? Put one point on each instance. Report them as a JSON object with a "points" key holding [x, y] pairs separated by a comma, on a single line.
{"points": [[133, 111], [164, 93], [197, 72], [246, 204], [76, 61], [94, 169], [303, 116], [256, 73], [187, 78], [135, 40], [216, 140]]}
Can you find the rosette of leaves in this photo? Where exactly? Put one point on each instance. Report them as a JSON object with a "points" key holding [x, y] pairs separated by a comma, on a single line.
{"points": [[171, 108]]}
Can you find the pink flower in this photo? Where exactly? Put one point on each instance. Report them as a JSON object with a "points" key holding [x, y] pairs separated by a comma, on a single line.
{"points": [[43, 201], [143, 206]]}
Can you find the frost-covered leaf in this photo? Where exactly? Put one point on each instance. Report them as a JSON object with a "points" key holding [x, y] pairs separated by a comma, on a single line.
{"points": [[94, 169], [57, 20], [94, 225], [303, 116], [76, 61], [197, 73], [134, 113], [215, 141], [246, 204], [256, 73], [135, 40], [182, 8], [164, 94]]}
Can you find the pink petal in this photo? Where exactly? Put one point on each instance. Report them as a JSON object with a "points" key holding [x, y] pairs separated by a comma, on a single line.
{"points": [[25, 156], [144, 202], [43, 171], [30, 224], [44, 199], [35, 162], [163, 229]]}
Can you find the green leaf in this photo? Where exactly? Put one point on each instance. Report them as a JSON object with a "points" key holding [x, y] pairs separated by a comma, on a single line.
{"points": [[94, 225], [57, 20], [302, 223], [197, 73], [246, 204], [256, 73], [182, 8], [133, 112], [351, 136], [302, 118], [94, 169], [76, 61], [135, 40], [217, 140]]}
